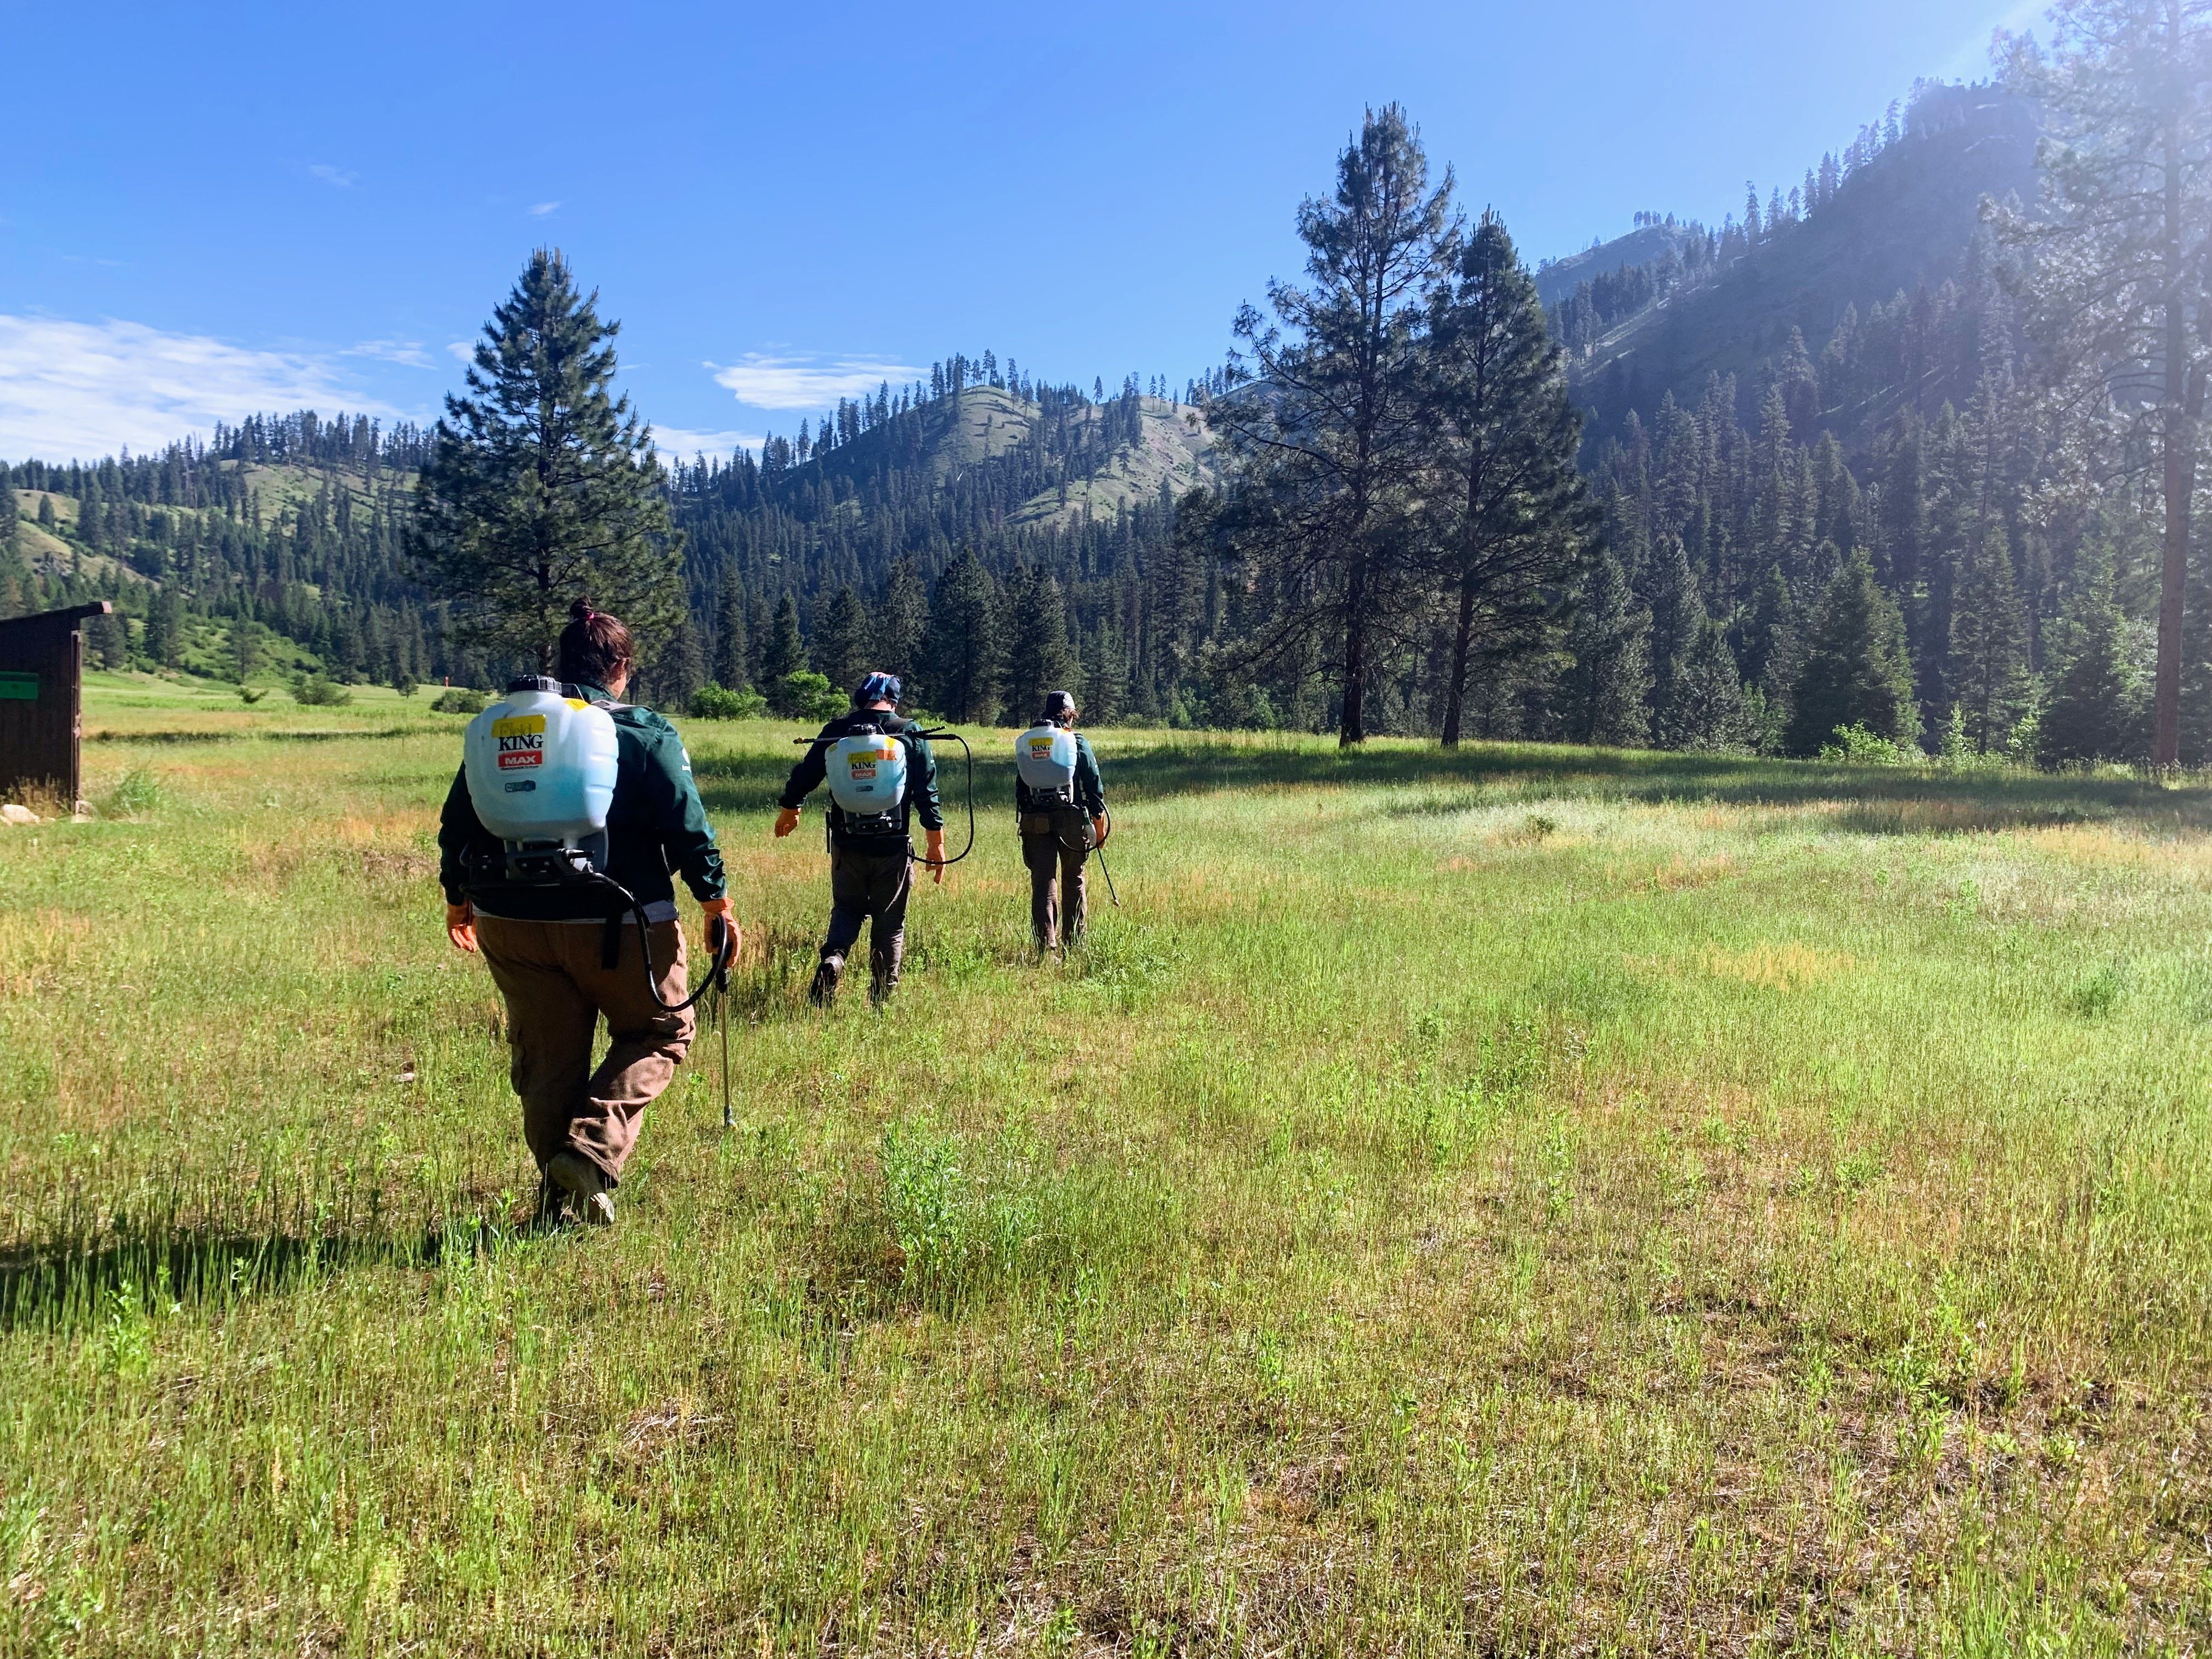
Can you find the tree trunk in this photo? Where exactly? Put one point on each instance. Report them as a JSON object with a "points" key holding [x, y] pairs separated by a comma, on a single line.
{"points": [[1352, 729], [2178, 441], [1456, 697]]}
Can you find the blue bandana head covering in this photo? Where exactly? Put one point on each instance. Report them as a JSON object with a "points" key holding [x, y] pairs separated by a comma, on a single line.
{"points": [[877, 688]]}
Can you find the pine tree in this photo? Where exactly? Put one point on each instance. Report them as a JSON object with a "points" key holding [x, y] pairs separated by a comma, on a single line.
{"points": [[785, 654], [1855, 671], [2095, 710], [542, 488], [681, 667], [901, 622], [1773, 652], [1988, 671], [2119, 241], [1708, 708], [1601, 695], [962, 653], [841, 645], [1104, 676], [1039, 658], [1678, 620], [1332, 440], [732, 652], [1511, 529]]}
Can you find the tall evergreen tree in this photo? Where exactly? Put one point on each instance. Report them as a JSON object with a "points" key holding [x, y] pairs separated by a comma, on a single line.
{"points": [[541, 487], [962, 653], [1039, 658], [2121, 255], [732, 642], [902, 621], [1103, 690], [1511, 529], [1331, 435], [841, 642], [1988, 674], [785, 654], [681, 667], [2096, 709], [1855, 671], [1601, 695], [1678, 621], [1707, 708]]}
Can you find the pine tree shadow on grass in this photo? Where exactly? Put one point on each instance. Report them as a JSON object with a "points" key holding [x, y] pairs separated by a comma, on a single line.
{"points": [[1877, 800], [71, 1285], [1872, 800]]}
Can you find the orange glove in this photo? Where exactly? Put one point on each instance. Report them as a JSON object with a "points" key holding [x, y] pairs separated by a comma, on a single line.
{"points": [[1098, 832], [461, 925], [721, 926], [786, 822], [933, 856]]}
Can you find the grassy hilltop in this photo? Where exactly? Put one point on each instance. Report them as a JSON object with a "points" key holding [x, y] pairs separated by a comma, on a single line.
{"points": [[1534, 1199]]}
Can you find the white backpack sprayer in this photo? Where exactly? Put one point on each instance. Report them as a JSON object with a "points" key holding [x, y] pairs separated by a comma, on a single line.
{"points": [[540, 768]]}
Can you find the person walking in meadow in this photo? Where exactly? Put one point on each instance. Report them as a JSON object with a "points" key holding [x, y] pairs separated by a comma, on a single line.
{"points": [[880, 772], [1061, 801], [562, 962]]}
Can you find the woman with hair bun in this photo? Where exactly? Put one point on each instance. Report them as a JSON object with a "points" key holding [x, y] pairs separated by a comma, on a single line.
{"points": [[561, 963]]}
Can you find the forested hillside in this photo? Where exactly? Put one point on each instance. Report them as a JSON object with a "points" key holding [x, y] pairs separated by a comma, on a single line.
{"points": [[1834, 389]]}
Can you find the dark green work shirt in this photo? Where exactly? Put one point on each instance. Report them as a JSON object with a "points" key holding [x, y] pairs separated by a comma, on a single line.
{"points": [[656, 824]]}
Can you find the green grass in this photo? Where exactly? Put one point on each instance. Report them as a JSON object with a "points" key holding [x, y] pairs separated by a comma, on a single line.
{"points": [[1533, 1201]]}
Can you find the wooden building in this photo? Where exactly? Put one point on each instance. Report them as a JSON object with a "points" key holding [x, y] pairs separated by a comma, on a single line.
{"points": [[41, 703]]}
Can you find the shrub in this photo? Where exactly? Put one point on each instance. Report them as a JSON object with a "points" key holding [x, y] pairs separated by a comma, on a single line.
{"points": [[460, 700], [1855, 745], [715, 702], [317, 691], [807, 696], [137, 793], [250, 695]]}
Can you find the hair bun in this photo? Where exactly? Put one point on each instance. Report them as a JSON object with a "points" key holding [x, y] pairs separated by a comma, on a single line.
{"points": [[580, 611]]}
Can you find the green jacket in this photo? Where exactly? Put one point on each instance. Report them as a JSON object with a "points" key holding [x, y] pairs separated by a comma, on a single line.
{"points": [[656, 824]]}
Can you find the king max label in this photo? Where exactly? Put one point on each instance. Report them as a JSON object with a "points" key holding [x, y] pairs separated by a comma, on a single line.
{"points": [[521, 739]]}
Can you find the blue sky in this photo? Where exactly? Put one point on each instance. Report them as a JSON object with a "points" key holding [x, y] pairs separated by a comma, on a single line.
{"points": [[207, 212]]}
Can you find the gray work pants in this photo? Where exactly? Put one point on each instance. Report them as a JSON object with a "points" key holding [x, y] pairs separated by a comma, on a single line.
{"points": [[1055, 845]]}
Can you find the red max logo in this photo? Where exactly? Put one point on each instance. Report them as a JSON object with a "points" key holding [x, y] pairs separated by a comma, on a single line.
{"points": [[519, 757]]}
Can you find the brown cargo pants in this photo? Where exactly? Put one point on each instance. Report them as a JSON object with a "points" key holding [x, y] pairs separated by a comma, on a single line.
{"points": [[1056, 843], [556, 989]]}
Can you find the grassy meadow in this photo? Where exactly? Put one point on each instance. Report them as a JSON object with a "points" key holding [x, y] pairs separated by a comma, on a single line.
{"points": [[1522, 1201]]}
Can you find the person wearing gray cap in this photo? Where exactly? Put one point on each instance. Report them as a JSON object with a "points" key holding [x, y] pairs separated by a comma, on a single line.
{"points": [[1061, 801]]}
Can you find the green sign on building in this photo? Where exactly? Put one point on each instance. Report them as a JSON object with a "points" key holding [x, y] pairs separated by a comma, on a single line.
{"points": [[22, 688]]}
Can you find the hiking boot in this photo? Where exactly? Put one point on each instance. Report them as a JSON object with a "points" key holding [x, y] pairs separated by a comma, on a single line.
{"points": [[823, 990], [585, 1182]]}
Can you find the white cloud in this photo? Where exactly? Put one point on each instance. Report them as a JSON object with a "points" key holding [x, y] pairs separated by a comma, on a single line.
{"points": [[675, 443], [539, 210], [338, 176], [407, 352], [765, 382], [463, 351], [79, 391]]}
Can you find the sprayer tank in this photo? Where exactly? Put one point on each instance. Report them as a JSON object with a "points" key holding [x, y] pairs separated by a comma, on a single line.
{"points": [[541, 767]]}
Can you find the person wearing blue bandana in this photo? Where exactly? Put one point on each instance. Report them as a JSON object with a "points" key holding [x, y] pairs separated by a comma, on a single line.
{"points": [[881, 773]]}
